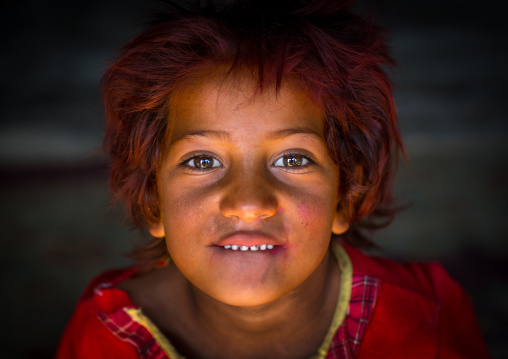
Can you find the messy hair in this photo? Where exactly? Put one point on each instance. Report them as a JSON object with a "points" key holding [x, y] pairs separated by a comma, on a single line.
{"points": [[340, 58]]}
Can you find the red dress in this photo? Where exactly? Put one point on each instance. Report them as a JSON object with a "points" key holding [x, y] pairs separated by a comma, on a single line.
{"points": [[396, 311]]}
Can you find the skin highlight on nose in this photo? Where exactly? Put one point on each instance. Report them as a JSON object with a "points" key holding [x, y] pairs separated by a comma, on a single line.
{"points": [[248, 195], [248, 204]]}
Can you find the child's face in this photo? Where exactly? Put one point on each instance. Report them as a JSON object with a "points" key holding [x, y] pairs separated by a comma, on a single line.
{"points": [[251, 171]]}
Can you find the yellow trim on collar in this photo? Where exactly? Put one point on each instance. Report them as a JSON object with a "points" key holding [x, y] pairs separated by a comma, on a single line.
{"points": [[346, 283], [137, 315], [346, 278]]}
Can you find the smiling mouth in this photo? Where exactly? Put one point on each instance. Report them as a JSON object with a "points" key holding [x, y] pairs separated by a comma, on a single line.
{"points": [[260, 247], [249, 241]]}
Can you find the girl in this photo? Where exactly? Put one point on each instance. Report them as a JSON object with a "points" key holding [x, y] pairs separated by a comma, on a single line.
{"points": [[256, 142]]}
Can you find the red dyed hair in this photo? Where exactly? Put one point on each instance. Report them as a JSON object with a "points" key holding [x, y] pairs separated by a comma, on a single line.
{"points": [[339, 57]]}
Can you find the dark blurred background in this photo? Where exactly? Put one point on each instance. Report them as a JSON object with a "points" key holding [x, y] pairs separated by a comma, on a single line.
{"points": [[56, 225]]}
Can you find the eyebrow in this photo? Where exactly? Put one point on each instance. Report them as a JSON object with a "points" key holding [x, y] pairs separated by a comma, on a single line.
{"points": [[295, 131], [219, 135], [224, 136]]}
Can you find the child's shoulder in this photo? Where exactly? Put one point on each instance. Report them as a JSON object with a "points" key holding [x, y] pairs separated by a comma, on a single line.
{"points": [[86, 334], [420, 310], [425, 278], [108, 321], [105, 280]]}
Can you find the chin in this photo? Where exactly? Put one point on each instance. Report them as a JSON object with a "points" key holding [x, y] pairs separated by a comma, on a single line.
{"points": [[247, 296]]}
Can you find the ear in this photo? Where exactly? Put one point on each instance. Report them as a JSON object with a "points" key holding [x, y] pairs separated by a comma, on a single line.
{"points": [[156, 230], [340, 225]]}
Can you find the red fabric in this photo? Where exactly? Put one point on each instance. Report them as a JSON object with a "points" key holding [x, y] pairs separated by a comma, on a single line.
{"points": [[364, 293], [418, 312], [86, 337], [421, 313], [128, 330], [107, 306]]}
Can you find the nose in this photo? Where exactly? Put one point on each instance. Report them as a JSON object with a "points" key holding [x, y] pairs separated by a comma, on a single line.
{"points": [[249, 196]]}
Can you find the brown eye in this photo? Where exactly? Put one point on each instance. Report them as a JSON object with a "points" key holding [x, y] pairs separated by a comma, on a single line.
{"points": [[203, 162], [292, 161]]}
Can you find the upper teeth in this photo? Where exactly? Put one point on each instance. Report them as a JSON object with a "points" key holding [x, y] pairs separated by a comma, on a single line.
{"points": [[260, 247]]}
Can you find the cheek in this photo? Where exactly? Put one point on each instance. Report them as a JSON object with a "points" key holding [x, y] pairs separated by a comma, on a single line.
{"points": [[315, 207], [304, 213], [184, 200], [316, 204], [315, 215], [181, 208], [184, 211]]}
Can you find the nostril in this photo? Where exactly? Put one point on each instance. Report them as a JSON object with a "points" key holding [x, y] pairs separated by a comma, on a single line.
{"points": [[248, 209], [248, 217]]}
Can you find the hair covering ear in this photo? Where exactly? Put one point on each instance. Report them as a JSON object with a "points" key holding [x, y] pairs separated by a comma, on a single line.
{"points": [[156, 230]]}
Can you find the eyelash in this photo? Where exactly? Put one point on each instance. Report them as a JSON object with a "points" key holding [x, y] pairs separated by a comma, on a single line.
{"points": [[306, 162]]}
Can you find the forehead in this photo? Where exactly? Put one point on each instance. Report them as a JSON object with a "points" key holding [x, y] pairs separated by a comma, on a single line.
{"points": [[230, 103]]}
